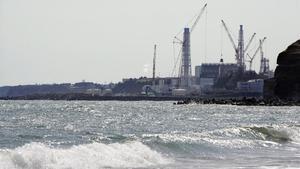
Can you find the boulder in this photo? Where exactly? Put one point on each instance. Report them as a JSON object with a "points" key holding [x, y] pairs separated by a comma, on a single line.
{"points": [[287, 74]]}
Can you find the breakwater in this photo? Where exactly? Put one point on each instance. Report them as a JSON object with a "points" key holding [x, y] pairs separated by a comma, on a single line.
{"points": [[241, 102], [90, 97], [179, 100]]}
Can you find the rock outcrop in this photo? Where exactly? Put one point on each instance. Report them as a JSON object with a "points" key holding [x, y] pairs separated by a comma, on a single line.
{"points": [[287, 74]]}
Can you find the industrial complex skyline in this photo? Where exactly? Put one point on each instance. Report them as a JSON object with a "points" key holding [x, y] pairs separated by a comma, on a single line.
{"points": [[55, 41]]}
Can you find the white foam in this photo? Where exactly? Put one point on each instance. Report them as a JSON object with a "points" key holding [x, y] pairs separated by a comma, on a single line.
{"points": [[293, 132], [90, 156], [231, 138]]}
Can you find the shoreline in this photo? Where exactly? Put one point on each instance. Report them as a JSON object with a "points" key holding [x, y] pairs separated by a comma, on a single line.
{"points": [[88, 97], [178, 100], [242, 102]]}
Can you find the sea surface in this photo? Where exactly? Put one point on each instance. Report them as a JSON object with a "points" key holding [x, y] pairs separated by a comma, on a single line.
{"points": [[113, 134]]}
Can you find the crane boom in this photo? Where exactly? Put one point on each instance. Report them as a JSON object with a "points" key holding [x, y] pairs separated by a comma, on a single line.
{"points": [[230, 38], [198, 18], [249, 43], [261, 41], [259, 47]]}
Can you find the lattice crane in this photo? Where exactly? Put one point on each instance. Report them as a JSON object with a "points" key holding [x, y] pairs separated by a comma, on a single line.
{"points": [[261, 41]]}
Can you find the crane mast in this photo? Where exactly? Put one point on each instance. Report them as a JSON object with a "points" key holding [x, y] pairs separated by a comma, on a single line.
{"points": [[260, 46], [250, 61], [264, 62], [261, 41]]}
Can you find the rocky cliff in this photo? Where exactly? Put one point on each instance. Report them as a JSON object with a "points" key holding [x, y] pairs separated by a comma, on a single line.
{"points": [[287, 74]]}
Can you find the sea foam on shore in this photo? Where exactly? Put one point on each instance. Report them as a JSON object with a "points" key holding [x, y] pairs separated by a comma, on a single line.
{"points": [[90, 156]]}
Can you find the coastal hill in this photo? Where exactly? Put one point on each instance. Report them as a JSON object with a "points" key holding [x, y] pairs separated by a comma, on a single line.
{"points": [[127, 87], [287, 74], [23, 90]]}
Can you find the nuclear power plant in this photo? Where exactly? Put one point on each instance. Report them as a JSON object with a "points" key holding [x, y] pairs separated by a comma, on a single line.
{"points": [[212, 78]]}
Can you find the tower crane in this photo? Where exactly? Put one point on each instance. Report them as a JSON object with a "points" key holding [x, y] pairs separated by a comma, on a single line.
{"points": [[261, 41]]}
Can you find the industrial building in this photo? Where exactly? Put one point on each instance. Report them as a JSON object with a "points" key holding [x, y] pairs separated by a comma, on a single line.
{"points": [[183, 84], [208, 73], [165, 86]]}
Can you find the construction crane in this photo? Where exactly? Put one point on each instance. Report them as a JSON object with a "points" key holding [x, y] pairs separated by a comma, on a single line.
{"points": [[250, 61], [250, 41], [198, 18], [185, 66], [239, 49], [231, 39], [177, 39], [261, 41], [154, 64], [264, 62]]}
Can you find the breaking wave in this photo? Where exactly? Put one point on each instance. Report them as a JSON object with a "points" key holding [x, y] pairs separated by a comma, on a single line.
{"points": [[272, 134], [278, 134], [89, 156], [240, 137]]}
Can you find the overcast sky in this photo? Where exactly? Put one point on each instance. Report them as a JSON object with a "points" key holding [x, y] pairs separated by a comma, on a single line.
{"points": [[57, 41]]}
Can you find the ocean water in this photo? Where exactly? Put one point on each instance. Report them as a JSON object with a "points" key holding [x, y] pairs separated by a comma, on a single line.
{"points": [[112, 134]]}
